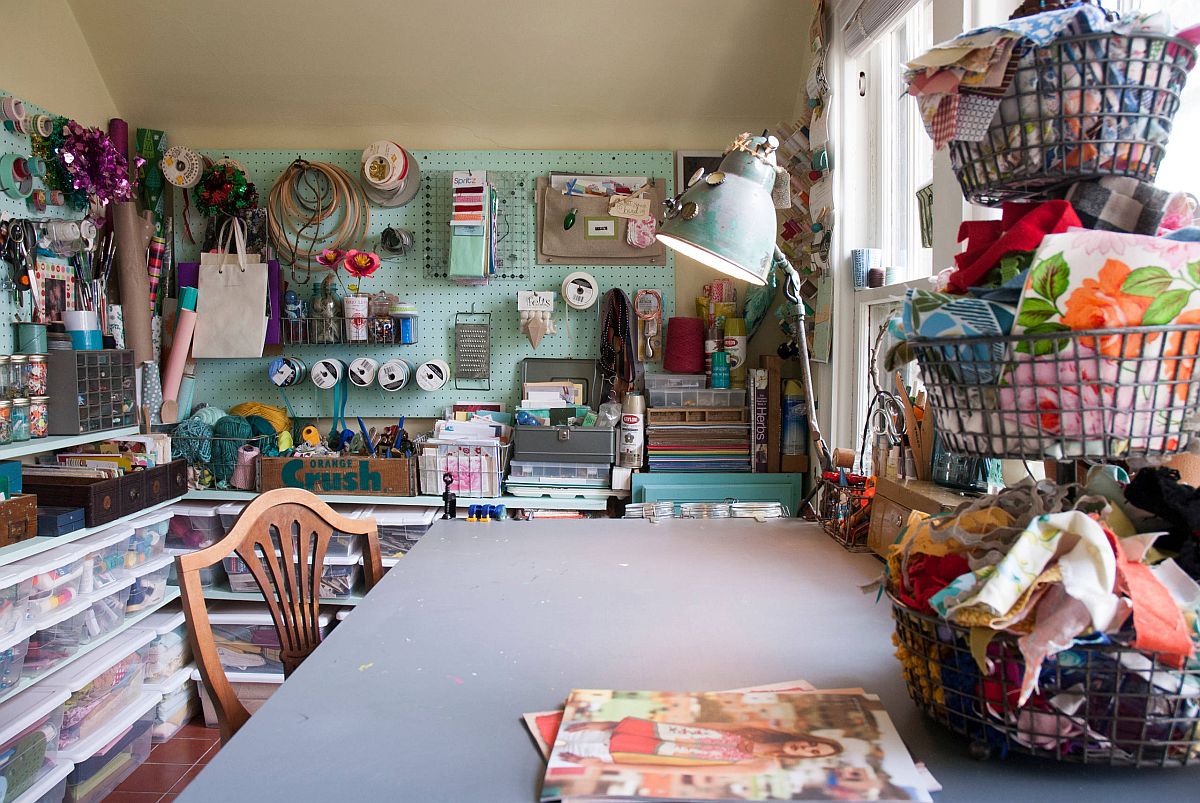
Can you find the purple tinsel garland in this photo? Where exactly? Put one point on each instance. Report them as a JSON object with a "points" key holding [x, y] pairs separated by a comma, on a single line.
{"points": [[94, 164]]}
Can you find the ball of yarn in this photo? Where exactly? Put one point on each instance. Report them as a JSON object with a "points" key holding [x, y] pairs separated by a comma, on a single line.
{"points": [[209, 415], [230, 433], [685, 346], [263, 435], [192, 440], [278, 416]]}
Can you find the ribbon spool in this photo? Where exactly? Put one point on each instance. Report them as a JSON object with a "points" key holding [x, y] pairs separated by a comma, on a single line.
{"points": [[433, 375], [182, 166], [580, 290], [393, 375], [286, 372], [388, 174], [328, 373], [362, 372]]}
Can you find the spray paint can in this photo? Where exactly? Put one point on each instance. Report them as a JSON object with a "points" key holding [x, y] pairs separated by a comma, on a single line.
{"points": [[735, 346], [714, 340], [633, 436]]}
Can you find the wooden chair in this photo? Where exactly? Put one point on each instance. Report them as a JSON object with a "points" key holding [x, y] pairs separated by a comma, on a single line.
{"points": [[301, 525]]}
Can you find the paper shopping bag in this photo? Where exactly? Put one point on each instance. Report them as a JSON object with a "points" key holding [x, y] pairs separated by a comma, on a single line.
{"points": [[232, 309]]}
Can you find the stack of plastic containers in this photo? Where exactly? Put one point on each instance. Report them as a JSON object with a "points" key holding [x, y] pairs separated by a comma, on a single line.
{"points": [[195, 525], [149, 584], [29, 733], [15, 630], [56, 608], [111, 753], [169, 672], [400, 528]]}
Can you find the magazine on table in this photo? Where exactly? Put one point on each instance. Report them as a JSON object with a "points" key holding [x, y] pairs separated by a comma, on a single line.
{"points": [[728, 746]]}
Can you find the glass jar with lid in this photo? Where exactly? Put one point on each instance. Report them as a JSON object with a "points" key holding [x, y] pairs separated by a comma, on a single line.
{"points": [[39, 421], [20, 419], [18, 364], [36, 376], [6, 433], [5, 381]]}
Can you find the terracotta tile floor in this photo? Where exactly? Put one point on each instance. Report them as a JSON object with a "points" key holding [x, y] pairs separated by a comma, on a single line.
{"points": [[170, 767]]}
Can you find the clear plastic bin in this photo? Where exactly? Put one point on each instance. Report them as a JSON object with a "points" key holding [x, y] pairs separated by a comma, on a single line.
{"points": [[170, 651], [340, 576], [180, 702], [50, 786], [13, 648], [56, 639], [247, 640], [107, 611], [698, 398], [675, 381], [105, 561], [591, 475], [15, 585], [54, 580], [210, 576], [401, 527], [252, 690], [149, 538], [194, 525], [149, 584], [102, 685], [111, 754], [228, 514], [29, 727]]}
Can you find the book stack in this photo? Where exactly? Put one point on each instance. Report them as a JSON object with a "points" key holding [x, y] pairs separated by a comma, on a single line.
{"points": [[719, 446]]}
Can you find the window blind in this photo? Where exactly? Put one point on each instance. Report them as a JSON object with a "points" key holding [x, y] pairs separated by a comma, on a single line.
{"points": [[870, 20]]}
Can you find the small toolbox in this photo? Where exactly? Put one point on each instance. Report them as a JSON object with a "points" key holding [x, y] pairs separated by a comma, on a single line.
{"points": [[564, 443], [53, 520], [18, 519]]}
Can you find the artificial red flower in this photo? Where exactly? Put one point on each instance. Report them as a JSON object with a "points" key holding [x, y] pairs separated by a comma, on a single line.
{"points": [[361, 264]]}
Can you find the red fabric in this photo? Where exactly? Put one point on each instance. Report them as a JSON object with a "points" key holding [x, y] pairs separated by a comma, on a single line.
{"points": [[1157, 622], [928, 575], [1022, 228]]}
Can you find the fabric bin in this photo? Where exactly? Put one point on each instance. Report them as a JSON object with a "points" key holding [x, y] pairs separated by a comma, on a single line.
{"points": [[13, 648], [55, 579], [56, 639], [15, 585], [149, 538], [112, 753], [194, 525], [102, 685], [104, 564], [340, 576], [106, 612], [50, 786], [209, 576], [180, 702], [170, 650], [252, 690], [29, 727], [400, 528], [246, 638], [149, 584]]}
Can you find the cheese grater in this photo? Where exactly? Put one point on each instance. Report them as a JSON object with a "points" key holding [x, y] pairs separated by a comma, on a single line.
{"points": [[472, 350]]}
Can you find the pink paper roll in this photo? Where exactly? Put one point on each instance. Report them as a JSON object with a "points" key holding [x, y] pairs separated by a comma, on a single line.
{"points": [[179, 351]]}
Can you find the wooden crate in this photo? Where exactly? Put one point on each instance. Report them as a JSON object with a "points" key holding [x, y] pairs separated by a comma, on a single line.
{"points": [[18, 519], [352, 476], [696, 415]]}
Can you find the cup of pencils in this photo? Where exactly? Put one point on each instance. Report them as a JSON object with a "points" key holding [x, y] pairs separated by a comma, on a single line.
{"points": [[83, 326]]}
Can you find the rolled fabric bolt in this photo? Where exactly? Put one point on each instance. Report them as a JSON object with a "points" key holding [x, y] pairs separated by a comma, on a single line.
{"points": [[185, 326], [158, 247], [243, 473], [843, 458]]}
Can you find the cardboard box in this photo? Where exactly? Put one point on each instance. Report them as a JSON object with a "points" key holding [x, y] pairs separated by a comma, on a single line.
{"points": [[353, 476]]}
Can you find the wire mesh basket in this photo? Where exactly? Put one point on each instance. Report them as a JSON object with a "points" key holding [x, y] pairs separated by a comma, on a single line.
{"points": [[845, 512], [1096, 704], [1080, 108], [215, 462], [476, 471], [1100, 394]]}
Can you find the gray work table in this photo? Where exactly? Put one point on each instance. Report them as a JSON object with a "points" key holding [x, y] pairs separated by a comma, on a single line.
{"points": [[417, 696]]}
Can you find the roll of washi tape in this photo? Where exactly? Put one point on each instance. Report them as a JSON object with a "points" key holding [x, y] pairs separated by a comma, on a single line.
{"points": [[327, 373], [43, 124], [393, 375], [12, 109], [182, 166], [433, 375], [36, 166], [362, 372]]}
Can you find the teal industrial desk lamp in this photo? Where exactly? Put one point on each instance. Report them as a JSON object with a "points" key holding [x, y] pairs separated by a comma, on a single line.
{"points": [[726, 220]]}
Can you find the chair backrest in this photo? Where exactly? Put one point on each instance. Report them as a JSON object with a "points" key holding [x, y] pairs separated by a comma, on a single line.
{"points": [[299, 526]]}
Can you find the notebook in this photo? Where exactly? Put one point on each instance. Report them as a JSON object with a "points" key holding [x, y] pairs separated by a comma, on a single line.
{"points": [[642, 746]]}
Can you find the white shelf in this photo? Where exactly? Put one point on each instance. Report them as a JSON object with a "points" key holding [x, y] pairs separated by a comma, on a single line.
{"points": [[132, 621], [13, 450], [38, 544], [255, 596], [523, 502]]}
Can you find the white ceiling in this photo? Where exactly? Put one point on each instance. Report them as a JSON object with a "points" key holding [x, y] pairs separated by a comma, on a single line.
{"points": [[455, 73]]}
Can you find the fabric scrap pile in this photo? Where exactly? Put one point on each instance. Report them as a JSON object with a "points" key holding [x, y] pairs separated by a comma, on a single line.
{"points": [[1065, 600]]}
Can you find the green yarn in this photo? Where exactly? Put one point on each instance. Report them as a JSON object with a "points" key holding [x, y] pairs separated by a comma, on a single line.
{"points": [[263, 435], [209, 415], [192, 440], [229, 435]]}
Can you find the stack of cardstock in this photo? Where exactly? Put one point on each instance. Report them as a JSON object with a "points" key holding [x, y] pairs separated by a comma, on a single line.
{"points": [[699, 447]]}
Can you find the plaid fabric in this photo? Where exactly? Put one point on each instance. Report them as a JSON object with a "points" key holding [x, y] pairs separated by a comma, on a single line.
{"points": [[1118, 203], [942, 127], [975, 115]]}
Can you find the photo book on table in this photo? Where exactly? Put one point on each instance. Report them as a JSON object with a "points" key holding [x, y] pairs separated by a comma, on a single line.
{"points": [[726, 746]]}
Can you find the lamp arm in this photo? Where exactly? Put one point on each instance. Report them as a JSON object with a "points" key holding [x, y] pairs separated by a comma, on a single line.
{"points": [[792, 291]]}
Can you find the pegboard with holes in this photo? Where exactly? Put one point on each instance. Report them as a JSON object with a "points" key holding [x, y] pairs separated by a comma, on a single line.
{"points": [[418, 276], [21, 145]]}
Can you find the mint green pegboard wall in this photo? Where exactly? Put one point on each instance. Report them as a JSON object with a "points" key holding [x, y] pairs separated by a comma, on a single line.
{"points": [[414, 277]]}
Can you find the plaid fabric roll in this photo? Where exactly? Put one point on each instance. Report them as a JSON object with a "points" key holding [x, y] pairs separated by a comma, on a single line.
{"points": [[1118, 203]]}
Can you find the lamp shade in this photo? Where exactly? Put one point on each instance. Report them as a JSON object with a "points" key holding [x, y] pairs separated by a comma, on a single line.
{"points": [[726, 219]]}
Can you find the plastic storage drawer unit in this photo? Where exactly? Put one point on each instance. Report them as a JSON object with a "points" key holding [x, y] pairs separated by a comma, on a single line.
{"points": [[698, 398], [149, 538], [104, 564], [29, 726], [582, 474], [251, 688], [228, 514], [107, 611], [149, 584], [180, 702], [340, 575], [111, 754], [246, 638], [15, 584], [400, 528], [13, 648], [170, 651], [209, 576], [102, 685], [55, 580], [193, 525], [675, 382], [56, 639]]}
